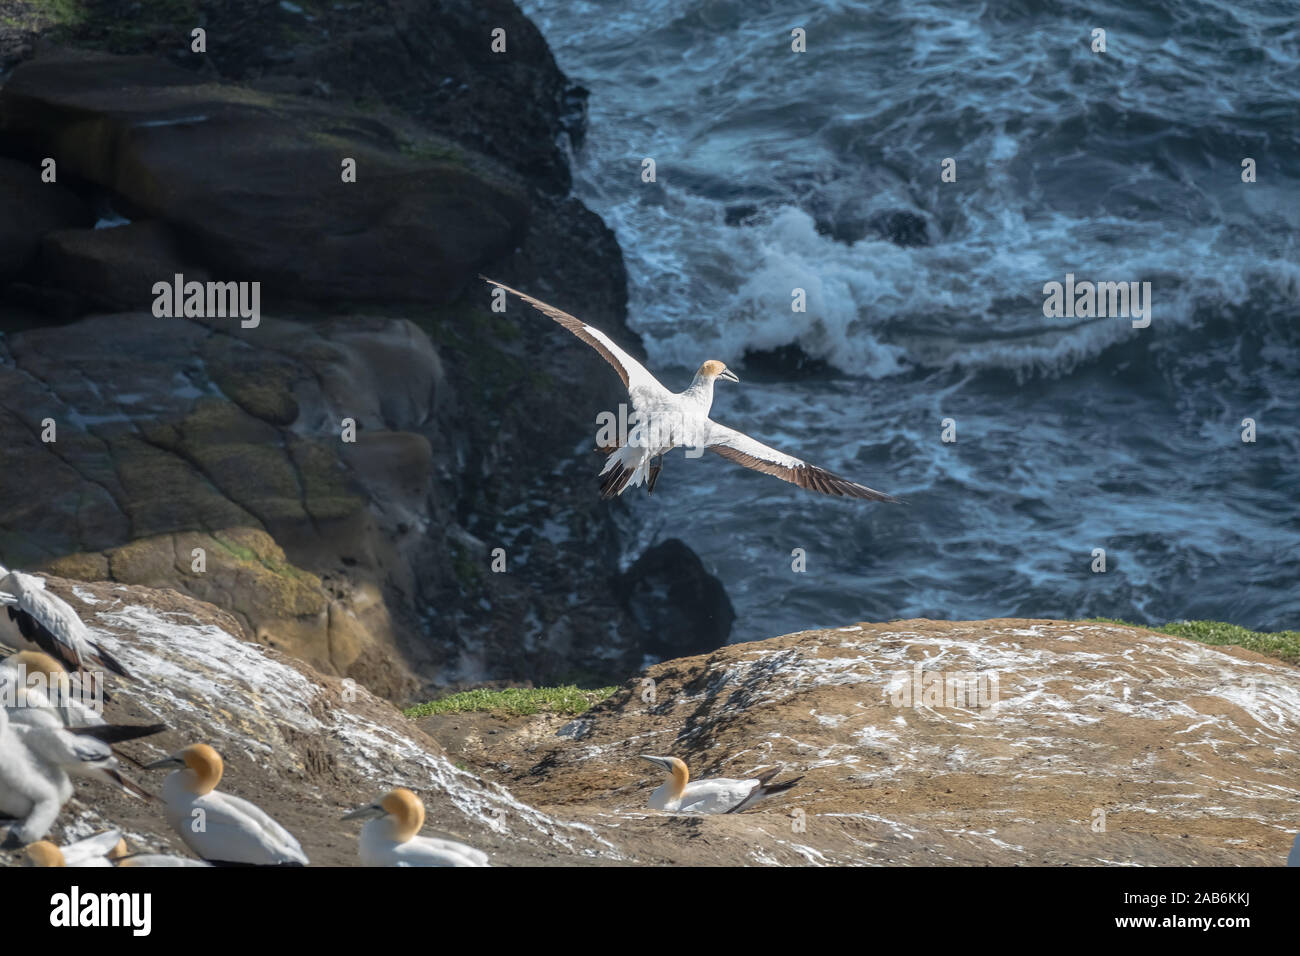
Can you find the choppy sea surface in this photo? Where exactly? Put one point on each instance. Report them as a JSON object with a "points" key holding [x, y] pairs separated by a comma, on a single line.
{"points": [[778, 170]]}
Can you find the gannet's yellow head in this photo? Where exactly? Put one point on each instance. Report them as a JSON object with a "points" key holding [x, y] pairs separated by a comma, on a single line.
{"points": [[401, 806], [42, 853], [713, 369], [200, 765], [53, 676], [675, 766], [37, 662]]}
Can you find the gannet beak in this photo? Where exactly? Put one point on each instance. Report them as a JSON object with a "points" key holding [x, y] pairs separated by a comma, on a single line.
{"points": [[365, 813], [728, 374], [165, 763], [661, 762]]}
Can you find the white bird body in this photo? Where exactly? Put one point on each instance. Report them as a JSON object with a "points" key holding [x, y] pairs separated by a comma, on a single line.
{"points": [[389, 837], [32, 789], [715, 795], [378, 848], [70, 737], [666, 420], [33, 618], [100, 850], [217, 826], [94, 851], [45, 693], [158, 860]]}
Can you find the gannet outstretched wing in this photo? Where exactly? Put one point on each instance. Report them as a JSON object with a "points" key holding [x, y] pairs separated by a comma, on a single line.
{"points": [[632, 372], [48, 622], [674, 420], [743, 450]]}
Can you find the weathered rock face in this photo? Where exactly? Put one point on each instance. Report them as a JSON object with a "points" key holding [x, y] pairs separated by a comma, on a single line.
{"points": [[303, 747], [428, 59], [1096, 744], [152, 459], [253, 184], [370, 558], [1057, 743]]}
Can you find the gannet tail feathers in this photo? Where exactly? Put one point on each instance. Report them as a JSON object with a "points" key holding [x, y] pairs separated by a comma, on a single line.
{"points": [[110, 662], [625, 467], [114, 776], [116, 733], [764, 789]]}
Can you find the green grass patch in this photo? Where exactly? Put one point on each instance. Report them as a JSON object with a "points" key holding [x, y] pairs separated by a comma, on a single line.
{"points": [[1284, 645], [515, 701]]}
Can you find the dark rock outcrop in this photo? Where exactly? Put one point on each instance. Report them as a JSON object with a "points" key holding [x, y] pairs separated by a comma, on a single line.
{"points": [[30, 209], [253, 183], [681, 607], [376, 558]]}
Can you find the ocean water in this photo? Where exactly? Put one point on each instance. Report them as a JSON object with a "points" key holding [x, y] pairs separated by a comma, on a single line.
{"points": [[1072, 433]]}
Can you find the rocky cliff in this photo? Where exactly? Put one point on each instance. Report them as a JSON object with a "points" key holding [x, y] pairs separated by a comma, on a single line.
{"points": [[143, 439], [920, 742]]}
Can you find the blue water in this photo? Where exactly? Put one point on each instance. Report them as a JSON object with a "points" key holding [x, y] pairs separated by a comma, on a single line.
{"points": [[1072, 433]]}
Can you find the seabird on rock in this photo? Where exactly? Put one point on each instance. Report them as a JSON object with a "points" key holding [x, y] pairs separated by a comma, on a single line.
{"points": [[98, 850], [43, 621], [37, 755], [42, 684], [103, 849], [669, 420], [233, 832], [389, 837], [715, 795]]}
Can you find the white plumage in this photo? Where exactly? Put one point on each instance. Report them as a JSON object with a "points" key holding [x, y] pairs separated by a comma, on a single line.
{"points": [[666, 420], [715, 795], [219, 827], [390, 836], [31, 617]]}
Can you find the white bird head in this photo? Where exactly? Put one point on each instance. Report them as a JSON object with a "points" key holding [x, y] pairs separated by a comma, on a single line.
{"points": [[713, 369], [199, 762], [403, 807]]}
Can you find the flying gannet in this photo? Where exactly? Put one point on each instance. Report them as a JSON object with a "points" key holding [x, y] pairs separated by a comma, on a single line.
{"points": [[43, 621], [224, 830], [37, 755], [389, 837], [670, 420], [716, 795]]}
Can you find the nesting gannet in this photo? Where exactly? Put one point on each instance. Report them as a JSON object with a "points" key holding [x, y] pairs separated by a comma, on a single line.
{"points": [[42, 683], [389, 836], [716, 795], [103, 849], [668, 420], [43, 621], [38, 754], [222, 829], [97, 850]]}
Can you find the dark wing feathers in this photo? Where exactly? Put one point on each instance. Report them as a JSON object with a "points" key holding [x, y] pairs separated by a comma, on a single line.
{"points": [[750, 453], [577, 327]]}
